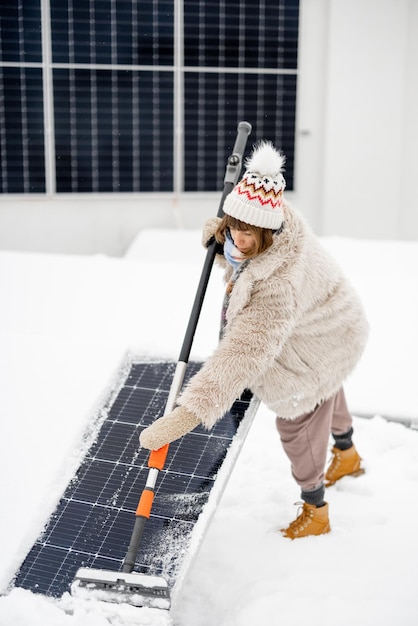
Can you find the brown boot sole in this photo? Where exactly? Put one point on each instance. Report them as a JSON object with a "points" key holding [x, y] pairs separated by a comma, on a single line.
{"points": [[358, 472]]}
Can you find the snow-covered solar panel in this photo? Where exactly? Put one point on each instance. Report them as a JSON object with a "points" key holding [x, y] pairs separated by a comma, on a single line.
{"points": [[92, 524]]}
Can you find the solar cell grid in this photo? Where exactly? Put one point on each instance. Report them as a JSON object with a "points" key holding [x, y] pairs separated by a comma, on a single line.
{"points": [[93, 521]]}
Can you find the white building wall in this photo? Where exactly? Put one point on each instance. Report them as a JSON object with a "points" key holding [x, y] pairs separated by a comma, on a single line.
{"points": [[408, 196], [366, 53], [357, 131], [86, 224]]}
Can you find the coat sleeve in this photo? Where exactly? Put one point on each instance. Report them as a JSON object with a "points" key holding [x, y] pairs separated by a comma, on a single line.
{"points": [[252, 341]]}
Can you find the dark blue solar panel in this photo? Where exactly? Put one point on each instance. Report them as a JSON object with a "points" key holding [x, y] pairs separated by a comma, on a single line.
{"points": [[93, 522]]}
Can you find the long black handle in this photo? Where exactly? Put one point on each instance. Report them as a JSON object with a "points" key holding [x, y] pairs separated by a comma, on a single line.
{"points": [[157, 457], [233, 171], [133, 548]]}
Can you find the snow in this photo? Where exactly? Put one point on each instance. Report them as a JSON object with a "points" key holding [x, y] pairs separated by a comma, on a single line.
{"points": [[68, 324]]}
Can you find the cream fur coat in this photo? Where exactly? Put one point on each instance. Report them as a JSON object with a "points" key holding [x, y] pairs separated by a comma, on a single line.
{"points": [[295, 330]]}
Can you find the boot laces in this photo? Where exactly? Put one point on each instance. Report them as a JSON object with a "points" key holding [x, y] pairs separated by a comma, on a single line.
{"points": [[335, 461], [303, 517]]}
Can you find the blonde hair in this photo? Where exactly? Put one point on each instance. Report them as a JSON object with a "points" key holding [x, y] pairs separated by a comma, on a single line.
{"points": [[263, 236]]}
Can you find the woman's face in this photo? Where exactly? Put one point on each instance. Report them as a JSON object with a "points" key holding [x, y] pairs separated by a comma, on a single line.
{"points": [[244, 240]]}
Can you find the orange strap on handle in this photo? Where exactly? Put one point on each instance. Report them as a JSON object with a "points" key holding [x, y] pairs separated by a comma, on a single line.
{"points": [[156, 460], [145, 503], [157, 457]]}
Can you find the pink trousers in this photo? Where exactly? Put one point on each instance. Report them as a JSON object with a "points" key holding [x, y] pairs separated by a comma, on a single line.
{"points": [[306, 438]]}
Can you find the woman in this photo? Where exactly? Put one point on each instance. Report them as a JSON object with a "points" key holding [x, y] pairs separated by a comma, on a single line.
{"points": [[292, 330]]}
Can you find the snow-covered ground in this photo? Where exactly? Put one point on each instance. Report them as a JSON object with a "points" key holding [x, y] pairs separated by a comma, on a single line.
{"points": [[66, 325]]}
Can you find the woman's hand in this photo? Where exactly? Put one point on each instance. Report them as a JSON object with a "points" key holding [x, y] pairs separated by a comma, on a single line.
{"points": [[209, 229], [168, 428]]}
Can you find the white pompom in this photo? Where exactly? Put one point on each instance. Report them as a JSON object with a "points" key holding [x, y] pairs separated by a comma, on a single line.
{"points": [[265, 160]]}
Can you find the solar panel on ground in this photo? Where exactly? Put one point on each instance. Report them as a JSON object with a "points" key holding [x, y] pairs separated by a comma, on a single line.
{"points": [[92, 524]]}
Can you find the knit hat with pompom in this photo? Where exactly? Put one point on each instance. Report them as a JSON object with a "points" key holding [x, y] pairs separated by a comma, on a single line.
{"points": [[257, 198]]}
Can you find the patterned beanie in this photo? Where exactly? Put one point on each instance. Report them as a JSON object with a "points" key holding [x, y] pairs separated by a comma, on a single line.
{"points": [[257, 198]]}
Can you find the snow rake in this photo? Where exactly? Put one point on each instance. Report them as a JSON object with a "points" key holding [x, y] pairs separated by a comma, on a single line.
{"points": [[127, 586]]}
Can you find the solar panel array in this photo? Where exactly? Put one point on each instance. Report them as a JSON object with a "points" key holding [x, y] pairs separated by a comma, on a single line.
{"points": [[92, 524], [90, 91]]}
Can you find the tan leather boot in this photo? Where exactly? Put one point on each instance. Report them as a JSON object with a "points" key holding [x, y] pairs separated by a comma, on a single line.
{"points": [[343, 463], [311, 520]]}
